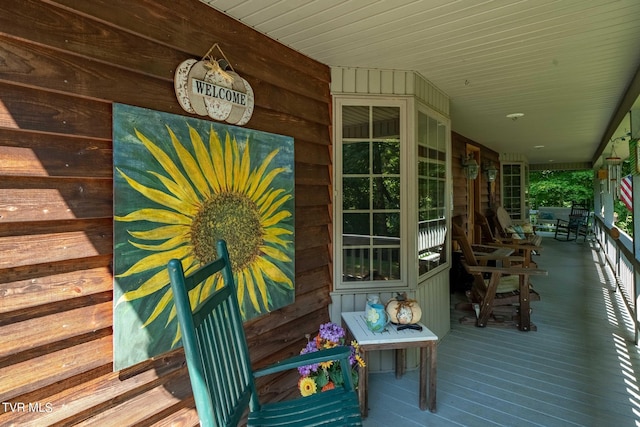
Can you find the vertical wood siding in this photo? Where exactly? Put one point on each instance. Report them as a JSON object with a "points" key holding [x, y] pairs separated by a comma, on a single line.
{"points": [[349, 80], [64, 63]]}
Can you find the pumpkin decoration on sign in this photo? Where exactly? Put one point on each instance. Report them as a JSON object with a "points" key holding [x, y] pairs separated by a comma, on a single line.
{"points": [[402, 310]]}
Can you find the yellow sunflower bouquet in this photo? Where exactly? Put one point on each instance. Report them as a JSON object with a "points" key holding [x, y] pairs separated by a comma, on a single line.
{"points": [[327, 375]]}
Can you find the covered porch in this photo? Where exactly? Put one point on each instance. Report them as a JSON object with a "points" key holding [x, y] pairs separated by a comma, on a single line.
{"points": [[579, 369]]}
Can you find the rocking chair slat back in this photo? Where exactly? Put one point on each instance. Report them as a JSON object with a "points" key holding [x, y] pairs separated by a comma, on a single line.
{"points": [[214, 343]]}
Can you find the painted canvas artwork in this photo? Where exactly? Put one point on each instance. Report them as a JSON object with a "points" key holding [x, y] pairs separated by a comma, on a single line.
{"points": [[180, 184]]}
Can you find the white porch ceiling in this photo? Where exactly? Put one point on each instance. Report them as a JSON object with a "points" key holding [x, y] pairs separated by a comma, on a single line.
{"points": [[565, 64]]}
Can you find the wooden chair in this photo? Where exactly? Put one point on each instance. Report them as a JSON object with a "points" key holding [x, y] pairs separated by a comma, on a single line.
{"points": [[507, 228], [576, 225], [523, 247], [507, 287], [220, 368]]}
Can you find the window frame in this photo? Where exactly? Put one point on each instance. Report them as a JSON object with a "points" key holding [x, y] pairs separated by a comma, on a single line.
{"points": [[369, 101], [447, 205]]}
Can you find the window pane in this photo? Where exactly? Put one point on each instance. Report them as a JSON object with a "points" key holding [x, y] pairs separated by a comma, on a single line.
{"points": [[355, 121], [355, 194], [386, 122], [386, 193], [386, 264], [355, 224], [355, 157], [386, 157], [355, 263], [386, 225]]}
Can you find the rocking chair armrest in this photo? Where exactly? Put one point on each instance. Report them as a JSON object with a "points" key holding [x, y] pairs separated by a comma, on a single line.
{"points": [[335, 353], [509, 258], [519, 244], [506, 270]]}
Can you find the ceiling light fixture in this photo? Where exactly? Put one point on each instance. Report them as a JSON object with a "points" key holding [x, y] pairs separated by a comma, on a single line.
{"points": [[515, 116]]}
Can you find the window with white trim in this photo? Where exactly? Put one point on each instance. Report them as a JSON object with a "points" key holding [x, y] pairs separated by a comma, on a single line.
{"points": [[432, 179], [391, 164], [370, 193]]}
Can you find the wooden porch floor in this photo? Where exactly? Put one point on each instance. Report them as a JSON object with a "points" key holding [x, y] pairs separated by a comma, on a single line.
{"points": [[580, 368]]}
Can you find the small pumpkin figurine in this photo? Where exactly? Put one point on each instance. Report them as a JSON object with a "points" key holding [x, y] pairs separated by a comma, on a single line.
{"points": [[402, 310]]}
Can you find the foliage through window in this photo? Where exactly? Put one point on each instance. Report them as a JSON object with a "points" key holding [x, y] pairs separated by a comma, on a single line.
{"points": [[371, 187]]}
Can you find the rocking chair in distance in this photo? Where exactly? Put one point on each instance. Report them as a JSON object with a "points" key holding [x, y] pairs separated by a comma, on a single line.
{"points": [[577, 224], [220, 367]]}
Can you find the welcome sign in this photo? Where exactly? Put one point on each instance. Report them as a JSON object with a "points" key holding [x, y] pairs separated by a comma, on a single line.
{"points": [[205, 88], [202, 88]]}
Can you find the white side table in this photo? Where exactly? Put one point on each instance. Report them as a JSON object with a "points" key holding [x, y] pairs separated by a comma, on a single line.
{"points": [[393, 339]]}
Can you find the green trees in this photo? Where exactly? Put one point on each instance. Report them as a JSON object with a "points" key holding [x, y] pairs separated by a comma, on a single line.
{"points": [[560, 188]]}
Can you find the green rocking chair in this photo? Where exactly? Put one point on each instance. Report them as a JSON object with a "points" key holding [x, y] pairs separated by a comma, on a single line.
{"points": [[220, 368]]}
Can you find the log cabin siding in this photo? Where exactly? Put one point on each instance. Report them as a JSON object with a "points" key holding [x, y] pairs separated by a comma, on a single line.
{"points": [[64, 64], [460, 182]]}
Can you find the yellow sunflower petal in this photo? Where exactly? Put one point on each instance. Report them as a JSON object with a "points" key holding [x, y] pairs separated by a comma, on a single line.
{"points": [[256, 179], [276, 204], [190, 165], [211, 285], [274, 240], [159, 308], [169, 166], [190, 208], [266, 222], [152, 194], [236, 165], [241, 292], [251, 289], [229, 165], [262, 286], [156, 215], [154, 284], [277, 231], [204, 161], [269, 196], [217, 180], [267, 179], [164, 246], [244, 170], [273, 272], [161, 233], [275, 253], [177, 337], [156, 260]]}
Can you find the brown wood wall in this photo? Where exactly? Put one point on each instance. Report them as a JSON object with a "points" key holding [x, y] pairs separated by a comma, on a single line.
{"points": [[63, 64], [458, 150]]}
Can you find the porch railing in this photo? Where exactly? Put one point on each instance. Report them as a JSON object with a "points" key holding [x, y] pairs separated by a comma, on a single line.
{"points": [[618, 251], [360, 252]]}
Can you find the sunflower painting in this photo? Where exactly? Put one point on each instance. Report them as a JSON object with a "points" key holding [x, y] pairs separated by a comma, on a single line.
{"points": [[180, 184]]}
